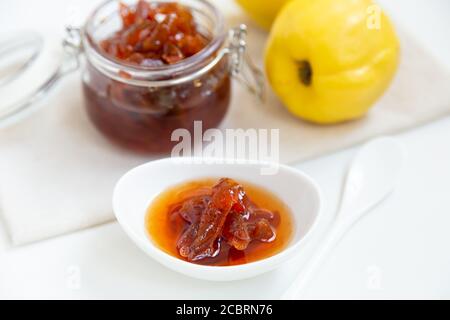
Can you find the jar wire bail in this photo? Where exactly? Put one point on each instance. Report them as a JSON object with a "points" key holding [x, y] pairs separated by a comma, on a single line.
{"points": [[242, 66]]}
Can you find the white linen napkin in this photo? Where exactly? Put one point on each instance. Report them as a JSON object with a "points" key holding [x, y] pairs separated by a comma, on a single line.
{"points": [[57, 172]]}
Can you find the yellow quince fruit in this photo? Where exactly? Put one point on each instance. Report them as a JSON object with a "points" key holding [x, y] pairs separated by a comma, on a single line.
{"points": [[263, 12], [330, 60]]}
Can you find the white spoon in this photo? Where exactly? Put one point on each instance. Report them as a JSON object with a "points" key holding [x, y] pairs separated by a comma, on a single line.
{"points": [[372, 176]]}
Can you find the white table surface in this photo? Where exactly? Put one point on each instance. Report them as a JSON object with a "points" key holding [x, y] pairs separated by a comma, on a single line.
{"points": [[400, 250]]}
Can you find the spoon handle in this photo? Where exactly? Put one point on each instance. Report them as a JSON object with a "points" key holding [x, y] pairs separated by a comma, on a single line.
{"points": [[331, 239]]}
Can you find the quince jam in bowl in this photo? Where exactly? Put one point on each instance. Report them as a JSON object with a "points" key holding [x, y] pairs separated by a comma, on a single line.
{"points": [[153, 67], [219, 222]]}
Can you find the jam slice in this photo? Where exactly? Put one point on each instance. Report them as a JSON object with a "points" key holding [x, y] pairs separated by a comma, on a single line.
{"points": [[154, 34], [222, 213]]}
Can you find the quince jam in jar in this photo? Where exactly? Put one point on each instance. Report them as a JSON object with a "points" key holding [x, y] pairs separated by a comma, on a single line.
{"points": [[153, 67]]}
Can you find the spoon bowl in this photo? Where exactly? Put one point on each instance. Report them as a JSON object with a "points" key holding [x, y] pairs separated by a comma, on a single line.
{"points": [[372, 176], [137, 188]]}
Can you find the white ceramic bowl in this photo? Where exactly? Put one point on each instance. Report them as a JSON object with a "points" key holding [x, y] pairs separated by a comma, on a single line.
{"points": [[137, 188]]}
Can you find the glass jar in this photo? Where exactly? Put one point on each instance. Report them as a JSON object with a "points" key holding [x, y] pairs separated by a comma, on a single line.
{"points": [[139, 107]]}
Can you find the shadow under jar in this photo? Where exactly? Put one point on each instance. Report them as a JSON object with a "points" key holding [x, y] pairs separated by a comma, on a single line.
{"points": [[138, 107]]}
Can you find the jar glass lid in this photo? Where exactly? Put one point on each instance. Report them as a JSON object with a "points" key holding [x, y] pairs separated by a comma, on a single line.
{"points": [[29, 67]]}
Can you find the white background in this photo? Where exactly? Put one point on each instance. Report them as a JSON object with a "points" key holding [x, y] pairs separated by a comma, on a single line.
{"points": [[400, 250]]}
